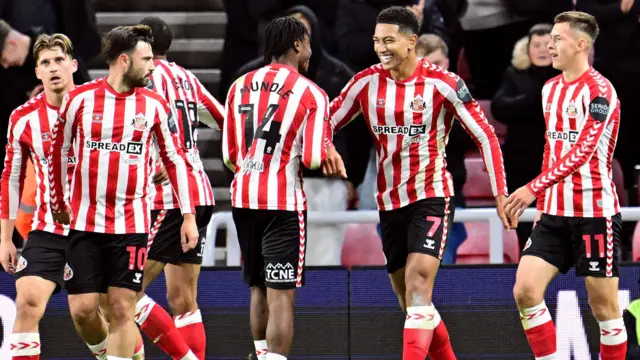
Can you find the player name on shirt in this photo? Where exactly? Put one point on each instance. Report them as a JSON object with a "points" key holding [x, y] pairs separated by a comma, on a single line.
{"points": [[272, 87]]}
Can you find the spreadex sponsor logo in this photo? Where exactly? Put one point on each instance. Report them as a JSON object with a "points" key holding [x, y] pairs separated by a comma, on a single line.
{"points": [[131, 147], [570, 136], [411, 130]]}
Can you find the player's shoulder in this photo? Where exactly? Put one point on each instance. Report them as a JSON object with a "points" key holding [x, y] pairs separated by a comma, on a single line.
{"points": [[434, 71], [28, 107], [552, 81], [86, 87], [597, 82]]}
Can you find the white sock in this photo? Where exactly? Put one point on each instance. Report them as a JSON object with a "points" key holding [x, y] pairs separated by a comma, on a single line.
{"points": [[274, 356], [99, 351], [190, 356], [261, 349], [420, 317], [25, 344], [612, 332]]}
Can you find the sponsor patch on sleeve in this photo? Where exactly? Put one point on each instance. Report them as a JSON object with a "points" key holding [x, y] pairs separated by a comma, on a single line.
{"points": [[463, 91], [599, 108]]}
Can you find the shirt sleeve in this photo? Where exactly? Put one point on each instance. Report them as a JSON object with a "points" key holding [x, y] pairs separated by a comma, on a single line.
{"points": [[61, 138], [13, 174], [178, 167], [346, 107], [468, 111], [210, 111], [314, 139], [230, 145], [603, 103]]}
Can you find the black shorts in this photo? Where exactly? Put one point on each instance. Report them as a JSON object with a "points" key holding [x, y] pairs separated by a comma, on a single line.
{"points": [[164, 236], [591, 244], [44, 256], [98, 261], [420, 227], [273, 245]]}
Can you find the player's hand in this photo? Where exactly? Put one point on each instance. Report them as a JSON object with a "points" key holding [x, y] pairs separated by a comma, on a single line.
{"points": [[500, 199], [626, 5], [518, 202], [63, 217], [189, 233], [8, 256], [36, 90], [333, 164], [537, 218], [161, 176]]}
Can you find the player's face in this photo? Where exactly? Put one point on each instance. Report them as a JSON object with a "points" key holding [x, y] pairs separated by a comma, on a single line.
{"points": [[140, 66], [304, 54], [539, 50], [564, 46], [55, 69], [392, 45], [13, 54]]}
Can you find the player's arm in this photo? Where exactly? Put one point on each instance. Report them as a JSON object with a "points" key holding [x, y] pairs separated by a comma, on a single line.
{"points": [[346, 107], [13, 176], [178, 168], [545, 166], [315, 139], [210, 111], [602, 104], [230, 144], [466, 109], [61, 138]]}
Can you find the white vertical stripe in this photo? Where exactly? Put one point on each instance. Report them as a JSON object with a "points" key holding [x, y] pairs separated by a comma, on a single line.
{"points": [[585, 171], [239, 134], [108, 120], [567, 186], [440, 169], [120, 225], [85, 168], [423, 146], [405, 150], [372, 119], [389, 116]]}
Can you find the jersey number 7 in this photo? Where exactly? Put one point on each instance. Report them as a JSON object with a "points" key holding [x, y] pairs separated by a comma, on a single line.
{"points": [[271, 136]]}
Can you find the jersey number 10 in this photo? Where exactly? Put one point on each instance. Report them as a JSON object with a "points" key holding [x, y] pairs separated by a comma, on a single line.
{"points": [[271, 136]]}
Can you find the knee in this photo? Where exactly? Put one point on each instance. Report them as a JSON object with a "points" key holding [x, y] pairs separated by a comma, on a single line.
{"points": [[179, 301], [416, 280], [121, 309], [604, 307], [83, 312], [30, 306], [527, 295]]}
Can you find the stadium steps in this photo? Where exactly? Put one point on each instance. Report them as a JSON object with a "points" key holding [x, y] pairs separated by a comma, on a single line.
{"points": [[199, 28]]}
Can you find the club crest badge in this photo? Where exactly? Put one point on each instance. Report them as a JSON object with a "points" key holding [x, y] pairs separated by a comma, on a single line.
{"points": [[68, 272], [418, 104], [139, 123], [571, 110], [22, 263]]}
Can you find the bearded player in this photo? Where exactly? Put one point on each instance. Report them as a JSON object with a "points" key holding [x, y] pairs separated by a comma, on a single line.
{"points": [[579, 218]]}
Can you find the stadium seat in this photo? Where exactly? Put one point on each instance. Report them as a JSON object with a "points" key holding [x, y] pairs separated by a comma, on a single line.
{"points": [[362, 246], [475, 250], [477, 189], [500, 128], [618, 180], [636, 243]]}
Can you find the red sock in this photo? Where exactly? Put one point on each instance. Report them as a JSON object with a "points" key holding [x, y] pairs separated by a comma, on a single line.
{"points": [[418, 332], [190, 327], [540, 331], [25, 346], [613, 340], [440, 348], [157, 324]]}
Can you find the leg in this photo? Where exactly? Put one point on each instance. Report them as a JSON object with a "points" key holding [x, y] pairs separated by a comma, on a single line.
{"points": [[259, 317], [546, 255], [182, 289], [89, 323], [600, 269], [122, 328], [33, 293], [104, 311], [155, 321], [280, 323]]}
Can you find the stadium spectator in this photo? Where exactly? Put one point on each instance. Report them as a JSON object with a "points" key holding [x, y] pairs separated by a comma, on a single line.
{"points": [[357, 20], [518, 105], [435, 50], [489, 30], [327, 194]]}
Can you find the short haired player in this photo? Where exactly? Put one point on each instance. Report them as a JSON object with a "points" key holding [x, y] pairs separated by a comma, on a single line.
{"points": [[410, 105], [578, 209]]}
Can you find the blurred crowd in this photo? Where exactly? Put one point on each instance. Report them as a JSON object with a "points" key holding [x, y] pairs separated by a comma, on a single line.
{"points": [[497, 46]]}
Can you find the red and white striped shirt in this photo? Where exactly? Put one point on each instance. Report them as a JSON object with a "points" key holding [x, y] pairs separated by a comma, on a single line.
{"points": [[410, 122], [29, 136], [112, 134], [583, 119], [274, 116], [191, 104]]}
